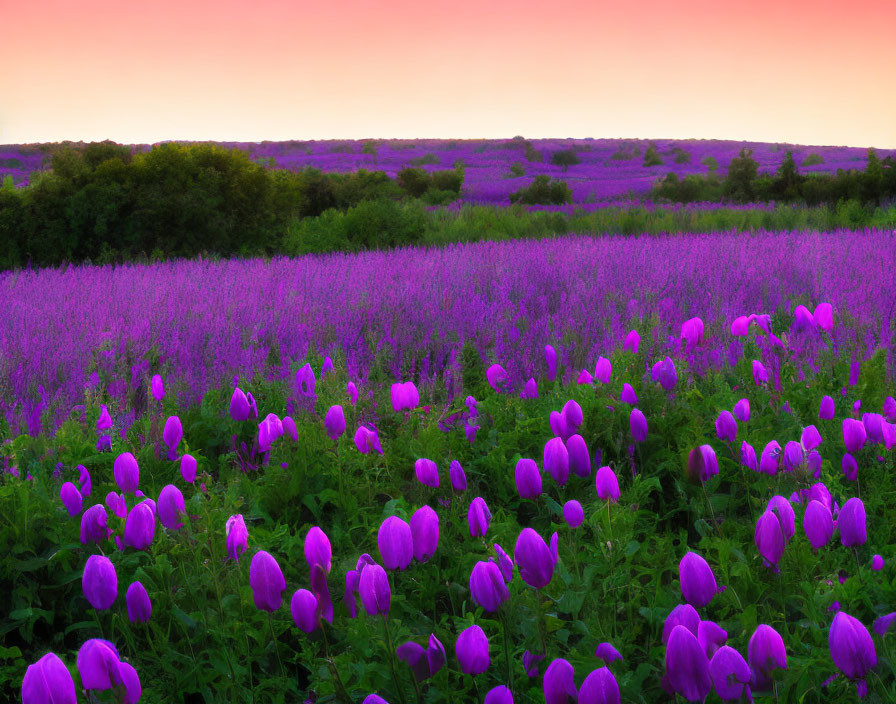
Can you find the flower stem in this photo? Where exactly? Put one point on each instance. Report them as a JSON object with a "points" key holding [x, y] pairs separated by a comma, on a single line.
{"points": [[392, 659]]}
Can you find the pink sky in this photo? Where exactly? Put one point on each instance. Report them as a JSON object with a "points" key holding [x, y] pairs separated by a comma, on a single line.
{"points": [[811, 72]]}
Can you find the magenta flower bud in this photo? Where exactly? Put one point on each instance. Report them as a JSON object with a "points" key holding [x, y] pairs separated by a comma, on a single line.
{"points": [[487, 586], [703, 463], [726, 427], [413, 654], [850, 467], [530, 663], [427, 472], [334, 422], [889, 409], [730, 674], [396, 543], [373, 586], [558, 425], [534, 559], [607, 653], [505, 564], [769, 538], [126, 472], [742, 410], [760, 373], [374, 699], [784, 511], [691, 333], [138, 603], [303, 607], [457, 476], [874, 427], [157, 388], [682, 615], [528, 479], [289, 428], [530, 389], [170, 507], [768, 462], [99, 582], [687, 667], [877, 563], [326, 367], [435, 655], [603, 370], [84, 481], [607, 485], [498, 695], [823, 317], [497, 377], [748, 456], [813, 463], [740, 326], [818, 524], [48, 681], [765, 654], [556, 460], [550, 357], [793, 456], [424, 533], [579, 459], [698, 583], [811, 438], [882, 625], [802, 319], [664, 374], [239, 405], [71, 499], [572, 417], [584, 378], [237, 536], [99, 665], [711, 636], [851, 522], [352, 392], [140, 527], [252, 405], [267, 581], [826, 410], [573, 513], [628, 394], [631, 342], [104, 422], [305, 382], [318, 550], [188, 467], [367, 441], [93, 525], [478, 517], [852, 648], [599, 687], [172, 433], [471, 649], [638, 425], [854, 435], [559, 683]]}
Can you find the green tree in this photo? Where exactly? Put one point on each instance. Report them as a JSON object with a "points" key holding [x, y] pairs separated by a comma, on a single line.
{"points": [[740, 184], [565, 158], [652, 156]]}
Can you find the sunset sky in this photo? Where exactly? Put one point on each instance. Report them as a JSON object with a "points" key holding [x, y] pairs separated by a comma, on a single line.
{"points": [[799, 71]]}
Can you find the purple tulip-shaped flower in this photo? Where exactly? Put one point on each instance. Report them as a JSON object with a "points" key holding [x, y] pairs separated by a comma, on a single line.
{"points": [[424, 533], [126, 472], [682, 615], [572, 416], [607, 653], [877, 563], [556, 460], [487, 586], [317, 549], [48, 681], [170, 507], [140, 527], [188, 467], [104, 422], [726, 427], [550, 358], [818, 524], [237, 536], [457, 476], [631, 342], [326, 367], [687, 667], [530, 663], [638, 425], [157, 387], [769, 538], [505, 564], [374, 699], [585, 378], [852, 648], [138, 603], [267, 581], [765, 654], [730, 674], [172, 434], [599, 687], [498, 695], [99, 665], [239, 405], [579, 458], [373, 586], [703, 463], [306, 382], [810, 438], [854, 435], [628, 394], [603, 370], [99, 582], [698, 583], [427, 472], [396, 543], [852, 525], [530, 389], [528, 479], [471, 649], [534, 559], [478, 517], [770, 458], [711, 636], [334, 422], [84, 481], [497, 377], [664, 374], [826, 409], [850, 467], [748, 456], [435, 655], [691, 333], [94, 524], [760, 373], [741, 410], [558, 683], [607, 485], [303, 607], [71, 499], [415, 656], [351, 390], [874, 427], [367, 440], [782, 508], [573, 513]]}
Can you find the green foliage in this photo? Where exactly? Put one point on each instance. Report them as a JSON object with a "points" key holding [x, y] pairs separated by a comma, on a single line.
{"points": [[626, 152], [543, 190], [532, 155], [425, 160], [517, 170], [739, 185], [710, 163], [652, 156], [565, 158], [682, 156], [813, 159]]}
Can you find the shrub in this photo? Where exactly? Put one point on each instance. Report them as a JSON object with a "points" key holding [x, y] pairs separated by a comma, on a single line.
{"points": [[682, 156], [517, 170], [813, 160], [425, 160], [543, 191], [652, 156], [565, 158], [710, 163], [415, 182]]}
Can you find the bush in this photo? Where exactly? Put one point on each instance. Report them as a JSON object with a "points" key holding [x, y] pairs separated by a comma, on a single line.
{"points": [[813, 160], [425, 160], [652, 156], [415, 182], [682, 156], [517, 170], [626, 152], [710, 163], [543, 191], [565, 158], [532, 155]]}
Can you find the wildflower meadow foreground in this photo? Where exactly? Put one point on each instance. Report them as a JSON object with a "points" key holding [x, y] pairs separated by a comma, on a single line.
{"points": [[593, 470]]}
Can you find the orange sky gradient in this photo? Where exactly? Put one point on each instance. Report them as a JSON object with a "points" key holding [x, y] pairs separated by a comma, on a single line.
{"points": [[808, 72]]}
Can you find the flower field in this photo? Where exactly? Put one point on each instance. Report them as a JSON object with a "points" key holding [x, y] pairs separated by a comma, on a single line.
{"points": [[594, 470]]}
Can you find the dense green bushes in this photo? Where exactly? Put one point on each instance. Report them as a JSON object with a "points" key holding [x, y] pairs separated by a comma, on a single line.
{"points": [[543, 191]]}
